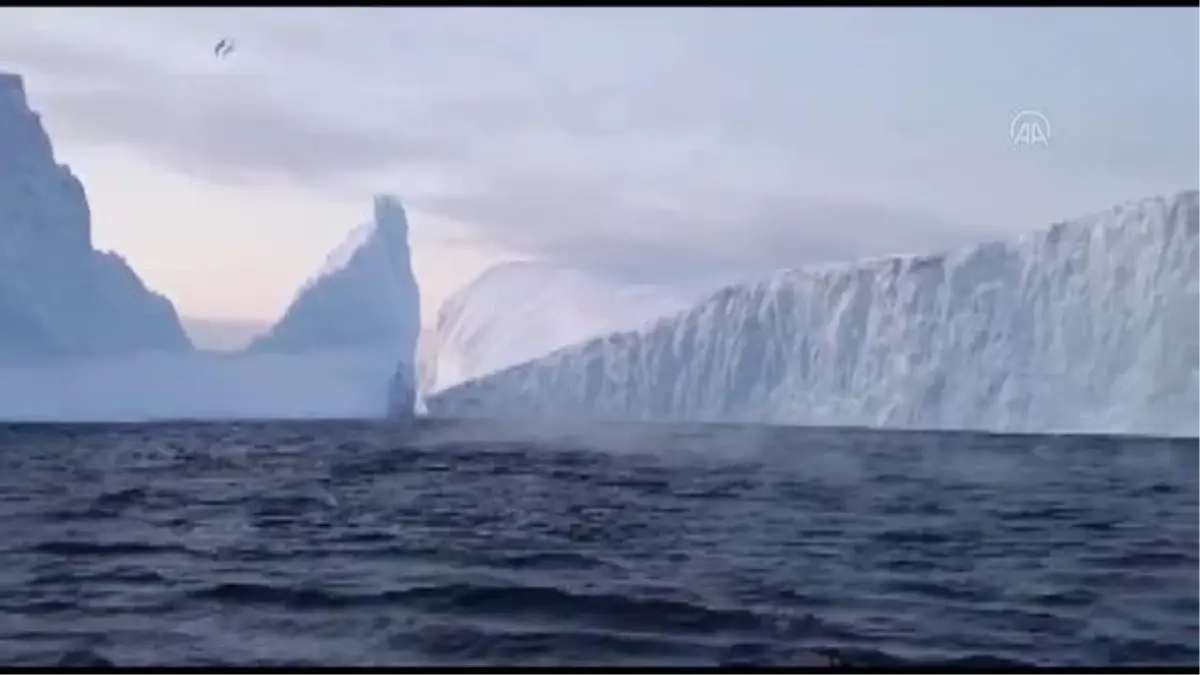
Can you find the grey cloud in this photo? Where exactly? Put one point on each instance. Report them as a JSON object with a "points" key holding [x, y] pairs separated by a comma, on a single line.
{"points": [[638, 241], [486, 88], [1147, 156], [465, 115], [232, 144], [225, 129], [230, 128]]}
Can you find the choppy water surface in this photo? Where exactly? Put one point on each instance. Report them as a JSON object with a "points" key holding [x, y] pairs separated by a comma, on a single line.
{"points": [[363, 544]]}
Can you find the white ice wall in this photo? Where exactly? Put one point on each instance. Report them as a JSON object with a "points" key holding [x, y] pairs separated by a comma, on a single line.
{"points": [[1088, 326]]}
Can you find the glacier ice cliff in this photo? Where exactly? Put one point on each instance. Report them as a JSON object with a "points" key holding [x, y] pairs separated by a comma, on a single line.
{"points": [[1089, 326], [517, 311], [364, 301], [59, 297]]}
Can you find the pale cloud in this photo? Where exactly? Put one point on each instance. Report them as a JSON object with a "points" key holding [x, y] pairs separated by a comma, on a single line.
{"points": [[653, 141]]}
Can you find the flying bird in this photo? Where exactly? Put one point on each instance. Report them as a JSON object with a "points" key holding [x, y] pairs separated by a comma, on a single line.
{"points": [[223, 48]]}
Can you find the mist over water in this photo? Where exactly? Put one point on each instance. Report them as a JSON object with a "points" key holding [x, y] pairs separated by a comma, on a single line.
{"points": [[340, 543]]}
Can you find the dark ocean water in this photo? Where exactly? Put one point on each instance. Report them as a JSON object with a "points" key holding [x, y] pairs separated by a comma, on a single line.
{"points": [[341, 543]]}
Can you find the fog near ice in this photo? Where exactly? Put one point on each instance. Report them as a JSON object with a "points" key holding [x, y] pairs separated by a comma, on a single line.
{"points": [[837, 457]]}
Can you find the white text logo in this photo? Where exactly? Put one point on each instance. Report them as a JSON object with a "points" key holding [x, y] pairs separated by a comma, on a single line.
{"points": [[1029, 127]]}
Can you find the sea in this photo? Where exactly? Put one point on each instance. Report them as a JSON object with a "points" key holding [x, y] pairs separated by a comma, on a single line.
{"points": [[455, 543]]}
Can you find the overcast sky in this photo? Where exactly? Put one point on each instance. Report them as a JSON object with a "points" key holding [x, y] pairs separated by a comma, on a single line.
{"points": [[648, 143]]}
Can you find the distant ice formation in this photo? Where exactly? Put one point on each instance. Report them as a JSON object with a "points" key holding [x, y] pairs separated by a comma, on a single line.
{"points": [[59, 297], [1091, 325], [81, 338], [333, 355], [364, 300], [365, 295], [517, 311]]}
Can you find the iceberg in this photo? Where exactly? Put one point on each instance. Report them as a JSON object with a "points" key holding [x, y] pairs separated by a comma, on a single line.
{"points": [[365, 295], [1089, 326], [364, 301], [59, 296]]}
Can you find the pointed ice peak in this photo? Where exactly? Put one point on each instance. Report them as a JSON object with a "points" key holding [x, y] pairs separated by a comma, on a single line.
{"points": [[364, 296], [389, 224], [389, 214], [53, 283], [12, 90]]}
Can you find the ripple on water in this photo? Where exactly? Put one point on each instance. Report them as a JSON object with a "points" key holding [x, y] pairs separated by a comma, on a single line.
{"points": [[315, 544]]}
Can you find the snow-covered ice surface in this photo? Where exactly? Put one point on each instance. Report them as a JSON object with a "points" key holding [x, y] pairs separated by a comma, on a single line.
{"points": [[58, 295], [1091, 325], [517, 311]]}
